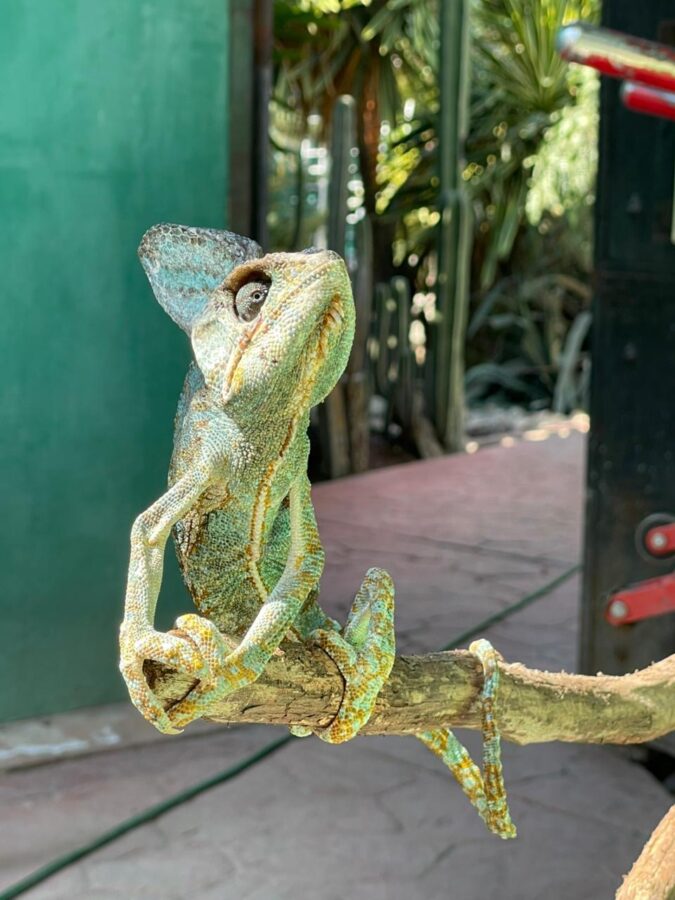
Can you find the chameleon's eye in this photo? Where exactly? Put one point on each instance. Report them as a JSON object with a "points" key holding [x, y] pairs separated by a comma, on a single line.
{"points": [[250, 297]]}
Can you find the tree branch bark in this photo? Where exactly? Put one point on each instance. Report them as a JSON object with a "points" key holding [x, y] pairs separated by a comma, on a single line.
{"points": [[653, 874], [304, 687]]}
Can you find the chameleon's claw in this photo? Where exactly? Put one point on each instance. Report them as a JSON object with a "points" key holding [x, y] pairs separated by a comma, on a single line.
{"points": [[172, 650], [177, 652], [203, 633], [214, 649], [143, 698]]}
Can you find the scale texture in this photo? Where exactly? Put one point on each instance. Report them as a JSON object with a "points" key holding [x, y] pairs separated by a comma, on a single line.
{"points": [[271, 335]]}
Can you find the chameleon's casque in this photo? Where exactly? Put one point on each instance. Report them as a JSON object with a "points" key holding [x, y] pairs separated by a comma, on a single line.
{"points": [[271, 335]]}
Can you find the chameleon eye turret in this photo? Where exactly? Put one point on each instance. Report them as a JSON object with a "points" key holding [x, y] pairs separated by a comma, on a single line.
{"points": [[291, 316], [249, 299]]}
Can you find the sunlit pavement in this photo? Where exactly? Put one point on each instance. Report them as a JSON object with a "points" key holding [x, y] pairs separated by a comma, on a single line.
{"points": [[378, 819]]}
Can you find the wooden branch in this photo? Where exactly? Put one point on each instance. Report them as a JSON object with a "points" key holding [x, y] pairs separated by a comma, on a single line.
{"points": [[653, 874], [304, 687]]}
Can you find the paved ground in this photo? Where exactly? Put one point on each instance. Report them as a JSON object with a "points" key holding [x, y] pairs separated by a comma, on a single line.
{"points": [[378, 819]]}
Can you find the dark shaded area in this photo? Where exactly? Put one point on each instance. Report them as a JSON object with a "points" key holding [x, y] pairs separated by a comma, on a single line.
{"points": [[631, 457]]}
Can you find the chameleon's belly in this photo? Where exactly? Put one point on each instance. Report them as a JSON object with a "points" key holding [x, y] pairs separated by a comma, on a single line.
{"points": [[227, 583]]}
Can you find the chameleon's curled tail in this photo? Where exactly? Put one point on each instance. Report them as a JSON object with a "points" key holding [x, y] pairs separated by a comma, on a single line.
{"points": [[364, 653], [485, 791]]}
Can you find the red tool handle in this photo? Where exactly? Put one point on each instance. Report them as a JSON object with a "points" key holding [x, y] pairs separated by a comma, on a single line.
{"points": [[654, 597], [619, 55], [641, 99]]}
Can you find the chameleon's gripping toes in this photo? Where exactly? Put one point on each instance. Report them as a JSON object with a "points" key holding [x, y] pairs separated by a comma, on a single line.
{"points": [[271, 335], [364, 653]]}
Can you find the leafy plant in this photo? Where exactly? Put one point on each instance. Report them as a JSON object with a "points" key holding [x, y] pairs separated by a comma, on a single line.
{"points": [[375, 50], [529, 171]]}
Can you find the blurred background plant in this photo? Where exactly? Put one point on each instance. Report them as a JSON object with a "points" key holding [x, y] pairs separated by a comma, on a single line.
{"points": [[528, 174]]}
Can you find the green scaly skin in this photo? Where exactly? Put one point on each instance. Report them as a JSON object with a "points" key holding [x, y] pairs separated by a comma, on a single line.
{"points": [[271, 336]]}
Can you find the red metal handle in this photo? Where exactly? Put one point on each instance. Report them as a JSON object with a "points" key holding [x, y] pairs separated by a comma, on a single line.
{"points": [[660, 540], [641, 99], [619, 55], [654, 597]]}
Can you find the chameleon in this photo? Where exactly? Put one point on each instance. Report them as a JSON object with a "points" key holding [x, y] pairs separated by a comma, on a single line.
{"points": [[271, 335]]}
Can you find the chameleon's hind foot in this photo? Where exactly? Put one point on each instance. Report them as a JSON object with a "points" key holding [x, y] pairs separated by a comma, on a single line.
{"points": [[364, 653], [486, 792]]}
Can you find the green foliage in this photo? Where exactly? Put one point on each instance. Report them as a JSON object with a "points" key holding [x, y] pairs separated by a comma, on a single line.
{"points": [[521, 87], [520, 90], [562, 181], [523, 346], [378, 51], [530, 166], [327, 47]]}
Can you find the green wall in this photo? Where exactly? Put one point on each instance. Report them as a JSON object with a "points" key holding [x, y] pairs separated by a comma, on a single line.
{"points": [[113, 116]]}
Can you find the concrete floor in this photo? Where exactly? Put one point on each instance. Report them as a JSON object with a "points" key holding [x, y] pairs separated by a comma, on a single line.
{"points": [[380, 818]]}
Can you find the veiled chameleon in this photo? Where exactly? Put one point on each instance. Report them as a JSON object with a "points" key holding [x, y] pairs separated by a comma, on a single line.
{"points": [[271, 335]]}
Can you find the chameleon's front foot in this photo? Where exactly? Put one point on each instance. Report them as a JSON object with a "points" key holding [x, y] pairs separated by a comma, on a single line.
{"points": [[228, 670], [198, 659], [364, 653]]}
